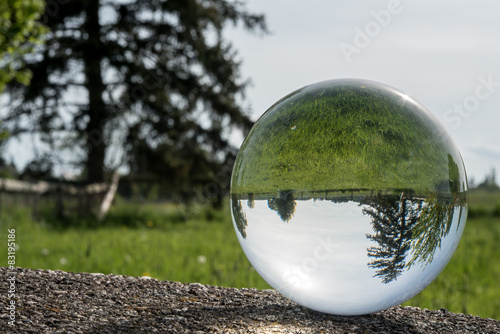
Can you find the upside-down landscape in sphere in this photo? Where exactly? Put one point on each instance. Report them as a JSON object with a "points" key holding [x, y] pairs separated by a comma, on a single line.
{"points": [[348, 197]]}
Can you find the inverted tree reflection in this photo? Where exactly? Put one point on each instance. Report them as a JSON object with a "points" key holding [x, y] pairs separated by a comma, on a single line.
{"points": [[251, 201], [408, 225], [436, 217], [240, 218], [393, 218], [434, 223], [284, 205]]}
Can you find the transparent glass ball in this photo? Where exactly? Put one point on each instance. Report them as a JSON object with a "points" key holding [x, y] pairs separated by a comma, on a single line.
{"points": [[348, 197]]}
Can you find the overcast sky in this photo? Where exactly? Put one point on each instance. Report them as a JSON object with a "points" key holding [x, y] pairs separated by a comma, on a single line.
{"points": [[444, 54]]}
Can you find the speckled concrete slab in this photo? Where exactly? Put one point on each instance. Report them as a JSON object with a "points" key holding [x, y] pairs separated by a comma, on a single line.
{"points": [[62, 302]]}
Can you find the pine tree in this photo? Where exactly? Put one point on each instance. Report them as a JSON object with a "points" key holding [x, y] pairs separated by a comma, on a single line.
{"points": [[393, 218], [147, 84]]}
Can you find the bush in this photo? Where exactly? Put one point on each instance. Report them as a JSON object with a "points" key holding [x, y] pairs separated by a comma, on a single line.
{"points": [[496, 211], [478, 211]]}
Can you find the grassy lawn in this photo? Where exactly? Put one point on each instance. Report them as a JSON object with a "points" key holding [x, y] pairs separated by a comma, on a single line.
{"points": [[349, 136], [155, 240], [202, 249]]}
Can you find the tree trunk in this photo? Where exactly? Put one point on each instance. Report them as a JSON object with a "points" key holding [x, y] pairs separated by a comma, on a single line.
{"points": [[108, 198], [96, 146]]}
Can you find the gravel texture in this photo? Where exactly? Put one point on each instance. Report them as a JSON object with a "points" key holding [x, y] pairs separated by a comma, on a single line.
{"points": [[62, 302]]}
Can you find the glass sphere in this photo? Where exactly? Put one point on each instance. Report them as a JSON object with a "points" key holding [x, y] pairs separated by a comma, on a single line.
{"points": [[348, 197]]}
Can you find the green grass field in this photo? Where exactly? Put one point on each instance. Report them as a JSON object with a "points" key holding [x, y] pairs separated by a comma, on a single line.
{"points": [[349, 135], [202, 249], [155, 240]]}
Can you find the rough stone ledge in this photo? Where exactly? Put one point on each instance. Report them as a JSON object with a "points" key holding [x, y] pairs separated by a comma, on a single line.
{"points": [[64, 302]]}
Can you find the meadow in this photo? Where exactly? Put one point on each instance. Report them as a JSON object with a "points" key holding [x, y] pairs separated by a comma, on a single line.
{"points": [[198, 244], [353, 135]]}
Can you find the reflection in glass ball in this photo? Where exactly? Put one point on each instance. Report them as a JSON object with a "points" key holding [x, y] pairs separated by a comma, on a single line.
{"points": [[348, 197]]}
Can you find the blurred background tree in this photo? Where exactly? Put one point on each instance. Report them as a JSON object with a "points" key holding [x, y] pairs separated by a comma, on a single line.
{"points": [[152, 86], [489, 182], [20, 33]]}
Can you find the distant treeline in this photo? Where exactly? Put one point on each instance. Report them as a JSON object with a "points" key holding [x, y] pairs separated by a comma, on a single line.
{"points": [[483, 211]]}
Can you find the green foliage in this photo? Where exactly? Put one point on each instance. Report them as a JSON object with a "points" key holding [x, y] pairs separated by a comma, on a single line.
{"points": [[484, 203], [436, 216], [6, 173], [496, 210], [3, 135], [478, 211], [20, 31]]}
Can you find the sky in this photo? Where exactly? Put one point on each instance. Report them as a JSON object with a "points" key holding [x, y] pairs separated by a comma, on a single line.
{"points": [[446, 55]]}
